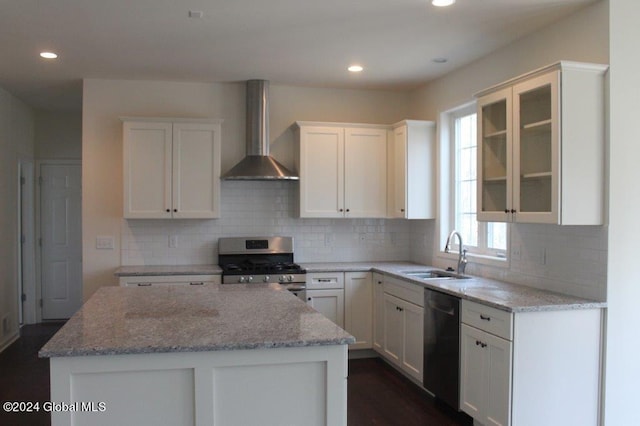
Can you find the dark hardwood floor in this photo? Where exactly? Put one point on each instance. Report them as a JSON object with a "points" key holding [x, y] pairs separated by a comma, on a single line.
{"points": [[24, 376], [377, 394]]}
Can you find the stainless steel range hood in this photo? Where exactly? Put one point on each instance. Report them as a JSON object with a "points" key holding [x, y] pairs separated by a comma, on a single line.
{"points": [[258, 164]]}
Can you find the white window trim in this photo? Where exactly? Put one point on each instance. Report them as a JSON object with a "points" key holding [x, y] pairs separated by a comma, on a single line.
{"points": [[446, 222]]}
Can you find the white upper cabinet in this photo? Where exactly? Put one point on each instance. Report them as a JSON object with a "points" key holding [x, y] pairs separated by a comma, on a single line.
{"points": [[343, 170], [413, 180], [541, 147], [171, 169]]}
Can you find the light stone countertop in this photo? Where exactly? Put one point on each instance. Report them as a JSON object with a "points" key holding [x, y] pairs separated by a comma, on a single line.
{"points": [[498, 294], [131, 320], [134, 271]]}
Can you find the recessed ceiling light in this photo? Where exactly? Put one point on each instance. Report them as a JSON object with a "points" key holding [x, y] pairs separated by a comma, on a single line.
{"points": [[355, 68], [442, 3], [48, 55], [439, 60]]}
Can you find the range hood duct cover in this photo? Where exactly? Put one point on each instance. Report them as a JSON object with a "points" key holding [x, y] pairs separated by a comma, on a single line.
{"points": [[258, 164]]}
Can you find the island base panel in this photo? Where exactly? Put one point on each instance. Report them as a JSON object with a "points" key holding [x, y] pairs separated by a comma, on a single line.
{"points": [[301, 386]]}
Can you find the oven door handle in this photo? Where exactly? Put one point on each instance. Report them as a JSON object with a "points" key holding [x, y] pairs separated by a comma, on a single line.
{"points": [[294, 287]]}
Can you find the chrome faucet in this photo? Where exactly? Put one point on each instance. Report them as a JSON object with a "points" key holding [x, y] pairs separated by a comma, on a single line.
{"points": [[462, 253]]}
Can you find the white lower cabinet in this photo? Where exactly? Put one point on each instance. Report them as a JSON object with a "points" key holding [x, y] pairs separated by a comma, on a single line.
{"points": [[403, 328], [399, 324], [346, 298], [358, 309], [486, 374], [325, 294], [378, 311], [167, 280], [530, 368], [329, 303]]}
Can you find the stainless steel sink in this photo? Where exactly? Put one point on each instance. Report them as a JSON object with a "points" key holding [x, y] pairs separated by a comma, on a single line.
{"points": [[435, 274]]}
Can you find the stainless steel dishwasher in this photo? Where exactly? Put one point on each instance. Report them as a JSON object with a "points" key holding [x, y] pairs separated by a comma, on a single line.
{"points": [[441, 369]]}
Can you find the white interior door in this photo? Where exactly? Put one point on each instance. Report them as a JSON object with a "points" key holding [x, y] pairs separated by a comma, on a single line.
{"points": [[61, 233]]}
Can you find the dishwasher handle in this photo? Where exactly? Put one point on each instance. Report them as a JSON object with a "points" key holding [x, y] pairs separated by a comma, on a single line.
{"points": [[444, 310]]}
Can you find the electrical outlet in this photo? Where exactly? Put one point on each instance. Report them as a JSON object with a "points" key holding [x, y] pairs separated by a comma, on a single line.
{"points": [[329, 239], [105, 242], [516, 252], [173, 241]]}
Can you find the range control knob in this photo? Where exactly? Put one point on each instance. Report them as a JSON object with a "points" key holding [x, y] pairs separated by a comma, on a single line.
{"points": [[282, 278], [290, 278], [265, 279], [249, 279], [242, 279]]}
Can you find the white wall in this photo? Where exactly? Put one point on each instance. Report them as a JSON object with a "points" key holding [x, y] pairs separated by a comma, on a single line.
{"points": [[104, 101], [623, 288], [566, 259], [16, 142], [58, 135]]}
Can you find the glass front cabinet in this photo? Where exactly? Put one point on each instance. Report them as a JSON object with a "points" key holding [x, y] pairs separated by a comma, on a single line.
{"points": [[541, 147]]}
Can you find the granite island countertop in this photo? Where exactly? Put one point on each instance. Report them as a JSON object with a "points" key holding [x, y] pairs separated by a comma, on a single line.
{"points": [[498, 294], [130, 320]]}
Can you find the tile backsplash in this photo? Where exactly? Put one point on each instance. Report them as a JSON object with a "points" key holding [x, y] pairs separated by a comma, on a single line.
{"points": [[263, 209], [567, 259]]}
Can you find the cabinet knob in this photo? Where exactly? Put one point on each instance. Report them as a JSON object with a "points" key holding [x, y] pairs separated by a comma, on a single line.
{"points": [[347, 210], [341, 210], [168, 210], [308, 298], [513, 211], [506, 210], [175, 210], [402, 210]]}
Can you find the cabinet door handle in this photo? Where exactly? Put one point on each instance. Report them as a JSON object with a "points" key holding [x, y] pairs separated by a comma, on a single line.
{"points": [[198, 283], [481, 344], [144, 284], [482, 317]]}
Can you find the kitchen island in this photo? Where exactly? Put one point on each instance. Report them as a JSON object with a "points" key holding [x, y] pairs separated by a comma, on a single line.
{"points": [[217, 354]]}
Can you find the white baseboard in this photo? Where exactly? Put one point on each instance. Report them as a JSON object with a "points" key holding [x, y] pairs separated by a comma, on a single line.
{"points": [[8, 342]]}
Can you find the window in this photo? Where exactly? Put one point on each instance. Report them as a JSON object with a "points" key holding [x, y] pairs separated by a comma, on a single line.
{"points": [[480, 238]]}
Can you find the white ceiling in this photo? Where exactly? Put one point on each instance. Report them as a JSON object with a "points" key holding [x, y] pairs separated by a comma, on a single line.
{"points": [[293, 42]]}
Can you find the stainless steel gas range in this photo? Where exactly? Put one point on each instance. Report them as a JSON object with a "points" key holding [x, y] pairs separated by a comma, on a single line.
{"points": [[248, 260]]}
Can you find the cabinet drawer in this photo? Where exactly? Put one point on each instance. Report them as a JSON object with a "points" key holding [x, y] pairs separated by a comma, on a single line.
{"points": [[325, 280], [404, 290], [164, 280], [491, 320]]}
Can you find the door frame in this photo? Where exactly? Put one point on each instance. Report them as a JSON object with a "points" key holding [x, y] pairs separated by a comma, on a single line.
{"points": [[26, 217], [39, 164]]}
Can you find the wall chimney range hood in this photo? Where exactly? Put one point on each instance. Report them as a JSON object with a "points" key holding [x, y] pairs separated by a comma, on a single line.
{"points": [[258, 164]]}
